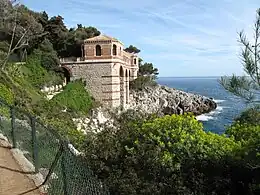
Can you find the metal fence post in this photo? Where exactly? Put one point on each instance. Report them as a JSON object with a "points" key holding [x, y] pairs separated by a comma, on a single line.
{"points": [[12, 113], [63, 169], [34, 145]]}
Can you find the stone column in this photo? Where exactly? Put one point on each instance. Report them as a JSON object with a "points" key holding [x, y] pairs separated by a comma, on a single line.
{"points": [[127, 88], [122, 91]]}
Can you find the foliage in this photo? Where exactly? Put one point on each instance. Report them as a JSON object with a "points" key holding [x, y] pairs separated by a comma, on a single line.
{"points": [[19, 28], [37, 75], [169, 155], [146, 76], [147, 69], [132, 49], [7, 95], [249, 136], [48, 56], [141, 82], [250, 116], [75, 98], [68, 42], [247, 86], [67, 130]]}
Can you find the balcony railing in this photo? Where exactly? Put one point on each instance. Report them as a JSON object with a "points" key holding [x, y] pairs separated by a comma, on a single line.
{"points": [[72, 59]]}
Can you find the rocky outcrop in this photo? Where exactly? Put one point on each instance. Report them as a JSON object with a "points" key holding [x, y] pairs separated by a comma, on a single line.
{"points": [[164, 100], [159, 99]]}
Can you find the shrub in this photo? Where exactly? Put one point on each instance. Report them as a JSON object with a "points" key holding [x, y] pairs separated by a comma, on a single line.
{"points": [[142, 82], [6, 95], [168, 155], [250, 116], [37, 75], [249, 136], [75, 98]]}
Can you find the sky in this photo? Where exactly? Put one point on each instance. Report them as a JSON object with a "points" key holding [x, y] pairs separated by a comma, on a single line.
{"points": [[181, 38]]}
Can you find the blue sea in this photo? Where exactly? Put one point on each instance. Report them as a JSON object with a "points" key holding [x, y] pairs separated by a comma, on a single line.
{"points": [[229, 106]]}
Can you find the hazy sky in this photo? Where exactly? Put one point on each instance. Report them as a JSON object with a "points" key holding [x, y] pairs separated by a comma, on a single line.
{"points": [[181, 37]]}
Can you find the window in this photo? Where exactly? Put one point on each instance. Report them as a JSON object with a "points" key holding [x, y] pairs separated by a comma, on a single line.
{"points": [[114, 50], [135, 61], [98, 50]]}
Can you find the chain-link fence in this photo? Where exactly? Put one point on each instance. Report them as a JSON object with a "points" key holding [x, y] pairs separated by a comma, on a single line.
{"points": [[64, 172]]}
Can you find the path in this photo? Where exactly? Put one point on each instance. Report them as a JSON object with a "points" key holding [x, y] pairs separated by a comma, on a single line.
{"points": [[12, 180]]}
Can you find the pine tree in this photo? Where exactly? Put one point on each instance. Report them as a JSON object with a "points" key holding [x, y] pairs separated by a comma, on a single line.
{"points": [[247, 86]]}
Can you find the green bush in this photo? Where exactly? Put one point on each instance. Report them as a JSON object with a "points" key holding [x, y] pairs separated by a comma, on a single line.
{"points": [[37, 75], [250, 116], [249, 136], [75, 98], [141, 82], [168, 155], [6, 95]]}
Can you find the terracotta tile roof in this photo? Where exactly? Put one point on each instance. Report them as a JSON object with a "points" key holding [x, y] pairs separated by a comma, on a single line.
{"points": [[103, 38]]}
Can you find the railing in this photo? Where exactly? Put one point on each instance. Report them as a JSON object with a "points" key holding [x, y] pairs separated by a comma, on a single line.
{"points": [[64, 172], [72, 59]]}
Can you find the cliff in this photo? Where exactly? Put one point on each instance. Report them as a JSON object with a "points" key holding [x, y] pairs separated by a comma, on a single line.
{"points": [[164, 100]]}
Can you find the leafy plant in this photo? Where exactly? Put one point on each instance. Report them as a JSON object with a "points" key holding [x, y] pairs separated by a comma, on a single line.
{"points": [[250, 116], [141, 82], [168, 155], [75, 98], [6, 95]]}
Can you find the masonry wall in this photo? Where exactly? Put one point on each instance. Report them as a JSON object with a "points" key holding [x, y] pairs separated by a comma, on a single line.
{"points": [[99, 80]]}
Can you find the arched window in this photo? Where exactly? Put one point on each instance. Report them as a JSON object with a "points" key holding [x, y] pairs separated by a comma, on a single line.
{"points": [[135, 61], [121, 72], [98, 50], [114, 50]]}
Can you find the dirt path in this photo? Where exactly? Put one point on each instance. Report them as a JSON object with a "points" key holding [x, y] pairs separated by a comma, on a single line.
{"points": [[12, 180]]}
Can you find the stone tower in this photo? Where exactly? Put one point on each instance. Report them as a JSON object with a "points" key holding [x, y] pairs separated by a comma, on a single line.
{"points": [[106, 68]]}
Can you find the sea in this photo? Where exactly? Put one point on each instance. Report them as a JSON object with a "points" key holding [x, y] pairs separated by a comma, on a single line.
{"points": [[228, 105]]}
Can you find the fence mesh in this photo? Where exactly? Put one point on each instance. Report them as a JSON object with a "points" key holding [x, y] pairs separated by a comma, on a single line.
{"points": [[48, 146], [76, 170], [23, 135], [5, 121], [64, 172]]}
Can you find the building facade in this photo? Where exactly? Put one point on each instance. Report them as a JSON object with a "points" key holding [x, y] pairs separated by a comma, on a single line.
{"points": [[106, 68]]}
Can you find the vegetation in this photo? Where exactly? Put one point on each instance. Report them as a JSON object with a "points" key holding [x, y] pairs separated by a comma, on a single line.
{"points": [[172, 155], [75, 98], [147, 74], [141, 82], [38, 41], [145, 154], [250, 116], [7, 95], [247, 86], [132, 49]]}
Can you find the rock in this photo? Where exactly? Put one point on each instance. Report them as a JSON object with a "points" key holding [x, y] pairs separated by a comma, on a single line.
{"points": [[161, 100], [165, 100], [56, 87]]}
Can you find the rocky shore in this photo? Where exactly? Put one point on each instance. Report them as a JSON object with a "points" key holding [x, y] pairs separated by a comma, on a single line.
{"points": [[164, 100], [158, 99]]}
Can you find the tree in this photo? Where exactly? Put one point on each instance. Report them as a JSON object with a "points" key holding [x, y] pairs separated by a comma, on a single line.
{"points": [[132, 49], [247, 86], [146, 76], [18, 28], [147, 69], [76, 38], [57, 34]]}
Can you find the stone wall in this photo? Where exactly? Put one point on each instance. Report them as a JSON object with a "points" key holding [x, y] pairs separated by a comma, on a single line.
{"points": [[99, 81]]}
